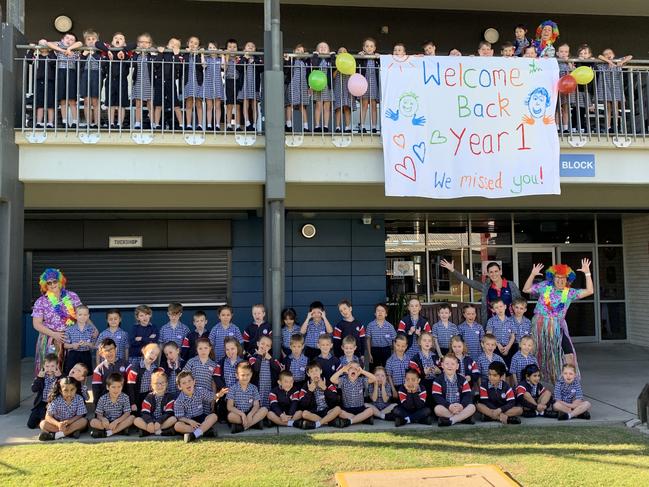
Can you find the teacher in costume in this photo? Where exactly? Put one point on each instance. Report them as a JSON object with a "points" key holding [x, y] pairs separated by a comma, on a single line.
{"points": [[495, 286], [549, 328], [53, 312]]}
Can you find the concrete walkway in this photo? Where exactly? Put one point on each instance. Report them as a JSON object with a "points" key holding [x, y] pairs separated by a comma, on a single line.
{"points": [[613, 376]]}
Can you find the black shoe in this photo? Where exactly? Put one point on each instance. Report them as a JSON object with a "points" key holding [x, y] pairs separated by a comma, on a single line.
{"points": [[347, 130], [325, 130], [214, 432], [268, 423], [288, 129], [199, 128], [487, 419], [317, 130], [125, 432], [46, 436], [168, 432], [375, 131], [337, 130], [399, 421], [468, 420], [442, 422], [369, 420], [251, 128], [529, 413], [72, 125], [584, 415], [259, 425], [40, 125], [308, 425], [550, 414], [298, 423], [189, 437], [563, 417], [428, 420], [236, 428], [364, 130], [513, 420], [144, 434], [95, 433]]}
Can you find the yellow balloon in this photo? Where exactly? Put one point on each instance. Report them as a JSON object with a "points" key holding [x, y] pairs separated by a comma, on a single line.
{"points": [[345, 63], [583, 75]]}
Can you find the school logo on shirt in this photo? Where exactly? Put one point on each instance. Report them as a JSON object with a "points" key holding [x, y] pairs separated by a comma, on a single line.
{"points": [[231, 334], [387, 335], [333, 367], [358, 329], [573, 391], [477, 332], [265, 332], [503, 395], [302, 369], [122, 368], [179, 337], [211, 369]]}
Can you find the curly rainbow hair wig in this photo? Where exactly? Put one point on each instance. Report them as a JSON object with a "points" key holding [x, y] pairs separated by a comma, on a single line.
{"points": [[555, 31], [561, 270], [51, 274]]}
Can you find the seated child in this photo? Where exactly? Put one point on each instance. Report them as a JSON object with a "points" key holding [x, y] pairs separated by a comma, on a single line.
{"points": [[381, 395], [471, 331], [42, 386], [188, 348], [497, 400], [113, 411], [296, 362], [535, 399], [110, 365], [488, 356], [80, 373], [352, 382], [468, 367], [522, 358], [284, 400], [315, 324], [79, 340], [224, 329], [379, 337], [157, 410], [328, 362], [143, 333], [202, 366], [502, 327], [348, 326], [172, 364], [412, 402], [444, 330], [424, 363], [319, 402], [568, 396], [452, 394], [265, 369], [244, 409], [257, 328], [413, 324], [138, 376], [397, 364], [348, 348], [225, 373], [289, 328], [190, 408], [66, 412]]}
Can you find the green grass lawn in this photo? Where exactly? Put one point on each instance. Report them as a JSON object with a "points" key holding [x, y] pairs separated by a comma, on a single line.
{"points": [[549, 456]]}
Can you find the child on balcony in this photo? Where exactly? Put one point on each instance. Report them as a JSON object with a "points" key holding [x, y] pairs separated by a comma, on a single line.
{"points": [[193, 85], [213, 87], [233, 82], [44, 61], [610, 87], [166, 71], [91, 79], [370, 69], [142, 78], [296, 73], [342, 99], [322, 60], [250, 92], [116, 79]]}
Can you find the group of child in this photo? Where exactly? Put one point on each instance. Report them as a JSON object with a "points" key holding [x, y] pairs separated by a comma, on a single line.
{"points": [[176, 381]]}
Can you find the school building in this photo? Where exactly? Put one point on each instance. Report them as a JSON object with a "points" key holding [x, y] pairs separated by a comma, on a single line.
{"points": [[134, 216]]}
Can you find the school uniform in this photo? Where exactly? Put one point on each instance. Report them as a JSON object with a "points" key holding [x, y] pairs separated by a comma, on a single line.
{"points": [[167, 69], [74, 334], [146, 334], [142, 78], [329, 365], [609, 86], [116, 72], [251, 85], [443, 334], [379, 404], [521, 328], [188, 348], [264, 375], [157, 409], [113, 410], [120, 337], [286, 338], [192, 76], [472, 335], [297, 366], [519, 362], [318, 402], [534, 390], [381, 337], [447, 391], [44, 79], [568, 393], [521, 45], [212, 80], [502, 330], [412, 405], [419, 363], [196, 407], [296, 78], [233, 80], [346, 328], [41, 387], [219, 334], [62, 411], [370, 69], [253, 333], [323, 64], [483, 364], [284, 402], [469, 368], [66, 74], [169, 333], [344, 360], [311, 337], [244, 399], [408, 325], [352, 393], [225, 375], [396, 368], [90, 82], [497, 397], [172, 370], [101, 373], [342, 96], [203, 373], [138, 381]]}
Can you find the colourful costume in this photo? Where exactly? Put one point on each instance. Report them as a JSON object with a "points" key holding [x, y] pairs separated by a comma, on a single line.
{"points": [[545, 47]]}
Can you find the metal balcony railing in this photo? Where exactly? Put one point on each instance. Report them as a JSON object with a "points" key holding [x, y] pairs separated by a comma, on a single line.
{"points": [[152, 94]]}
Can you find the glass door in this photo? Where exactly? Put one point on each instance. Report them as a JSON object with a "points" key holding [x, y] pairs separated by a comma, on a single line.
{"points": [[525, 257], [581, 316]]}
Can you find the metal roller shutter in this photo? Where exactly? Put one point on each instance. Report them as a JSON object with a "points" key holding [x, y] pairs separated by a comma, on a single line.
{"points": [[131, 277]]}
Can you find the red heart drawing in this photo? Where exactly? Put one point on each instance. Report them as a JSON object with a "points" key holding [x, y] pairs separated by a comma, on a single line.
{"points": [[399, 140], [403, 169]]}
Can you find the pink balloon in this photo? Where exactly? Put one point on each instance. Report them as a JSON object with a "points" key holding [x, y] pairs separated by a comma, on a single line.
{"points": [[357, 84]]}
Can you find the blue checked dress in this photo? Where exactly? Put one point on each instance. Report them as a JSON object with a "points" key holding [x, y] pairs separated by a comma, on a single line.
{"points": [[342, 96], [248, 89], [212, 79], [326, 94], [192, 88], [297, 91], [142, 85], [609, 83], [371, 73]]}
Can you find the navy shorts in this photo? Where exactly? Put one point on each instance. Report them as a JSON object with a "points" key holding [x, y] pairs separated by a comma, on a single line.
{"points": [[355, 411], [321, 413], [200, 418]]}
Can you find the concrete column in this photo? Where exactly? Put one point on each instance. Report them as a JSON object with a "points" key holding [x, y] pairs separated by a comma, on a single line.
{"points": [[16, 14]]}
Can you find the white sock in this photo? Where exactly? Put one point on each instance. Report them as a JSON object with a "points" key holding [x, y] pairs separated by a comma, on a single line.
{"points": [[305, 126], [289, 124], [351, 420], [136, 125], [198, 432], [109, 432], [289, 422], [382, 415], [569, 415], [317, 424], [452, 419], [158, 432], [407, 418], [58, 435]]}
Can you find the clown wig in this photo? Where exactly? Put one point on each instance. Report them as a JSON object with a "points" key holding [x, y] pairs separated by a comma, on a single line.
{"points": [[51, 274], [560, 270], [555, 31]]}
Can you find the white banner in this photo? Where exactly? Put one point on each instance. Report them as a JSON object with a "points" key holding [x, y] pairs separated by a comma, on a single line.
{"points": [[469, 126]]}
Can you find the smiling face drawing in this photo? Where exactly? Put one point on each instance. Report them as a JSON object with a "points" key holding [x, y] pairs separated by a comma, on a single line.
{"points": [[538, 102], [408, 104]]}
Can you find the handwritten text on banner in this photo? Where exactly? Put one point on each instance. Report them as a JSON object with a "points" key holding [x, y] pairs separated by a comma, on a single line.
{"points": [[469, 126]]}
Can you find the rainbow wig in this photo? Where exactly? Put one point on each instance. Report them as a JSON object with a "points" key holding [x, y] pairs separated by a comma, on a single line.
{"points": [[555, 31], [49, 274], [560, 270]]}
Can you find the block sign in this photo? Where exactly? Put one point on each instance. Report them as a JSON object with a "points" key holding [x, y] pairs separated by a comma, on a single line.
{"points": [[125, 242], [577, 165]]}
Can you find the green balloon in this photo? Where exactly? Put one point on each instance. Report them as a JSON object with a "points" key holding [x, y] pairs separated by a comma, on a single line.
{"points": [[317, 80]]}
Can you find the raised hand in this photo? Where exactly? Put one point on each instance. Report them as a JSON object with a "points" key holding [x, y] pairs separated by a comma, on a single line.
{"points": [[447, 265], [585, 265], [536, 269]]}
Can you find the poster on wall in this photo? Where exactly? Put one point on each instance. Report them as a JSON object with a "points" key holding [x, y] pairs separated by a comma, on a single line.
{"points": [[403, 268], [455, 126]]}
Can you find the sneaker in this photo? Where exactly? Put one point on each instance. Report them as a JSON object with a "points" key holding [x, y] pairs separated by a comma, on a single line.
{"points": [[189, 128], [563, 417], [529, 413], [95, 433], [399, 421], [236, 428], [309, 425], [550, 414], [168, 432], [46, 436], [584, 415], [442, 422], [72, 125], [513, 420], [189, 437], [251, 128]]}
